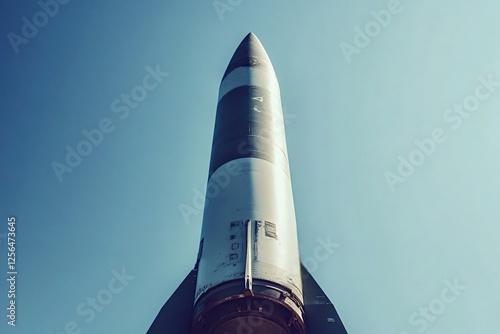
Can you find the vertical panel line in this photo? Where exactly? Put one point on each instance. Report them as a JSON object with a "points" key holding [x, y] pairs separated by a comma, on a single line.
{"points": [[248, 264]]}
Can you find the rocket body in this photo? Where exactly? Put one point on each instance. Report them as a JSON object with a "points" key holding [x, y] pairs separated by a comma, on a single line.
{"points": [[248, 277], [249, 247]]}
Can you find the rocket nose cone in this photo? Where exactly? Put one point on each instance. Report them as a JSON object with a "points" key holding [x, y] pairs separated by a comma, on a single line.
{"points": [[250, 52], [249, 46], [251, 38]]}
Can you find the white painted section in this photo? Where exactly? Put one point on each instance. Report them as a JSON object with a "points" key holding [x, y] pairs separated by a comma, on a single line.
{"points": [[242, 189], [261, 76]]}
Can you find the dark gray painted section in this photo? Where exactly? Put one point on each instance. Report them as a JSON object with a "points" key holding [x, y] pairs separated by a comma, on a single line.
{"points": [[245, 126]]}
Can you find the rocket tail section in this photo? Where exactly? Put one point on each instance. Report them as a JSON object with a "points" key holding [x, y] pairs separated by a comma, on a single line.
{"points": [[175, 316], [321, 317]]}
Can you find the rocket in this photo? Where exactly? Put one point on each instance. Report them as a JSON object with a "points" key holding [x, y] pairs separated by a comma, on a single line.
{"points": [[248, 278]]}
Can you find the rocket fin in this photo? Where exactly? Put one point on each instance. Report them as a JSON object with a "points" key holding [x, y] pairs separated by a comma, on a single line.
{"points": [[176, 315], [321, 316]]}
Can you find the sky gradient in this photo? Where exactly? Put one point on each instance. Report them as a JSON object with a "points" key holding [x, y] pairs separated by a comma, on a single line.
{"points": [[392, 121]]}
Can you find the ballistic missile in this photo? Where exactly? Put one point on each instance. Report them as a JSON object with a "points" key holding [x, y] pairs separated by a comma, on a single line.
{"points": [[248, 278]]}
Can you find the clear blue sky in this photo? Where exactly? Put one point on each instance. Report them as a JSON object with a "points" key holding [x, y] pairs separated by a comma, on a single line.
{"points": [[356, 107]]}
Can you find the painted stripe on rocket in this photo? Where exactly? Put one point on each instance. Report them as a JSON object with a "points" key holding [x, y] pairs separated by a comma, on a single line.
{"points": [[247, 126], [259, 76]]}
